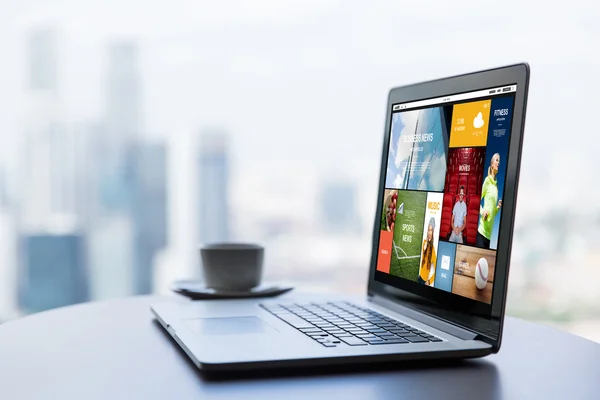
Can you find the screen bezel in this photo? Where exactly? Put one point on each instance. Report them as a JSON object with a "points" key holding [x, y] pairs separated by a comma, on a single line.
{"points": [[483, 319]]}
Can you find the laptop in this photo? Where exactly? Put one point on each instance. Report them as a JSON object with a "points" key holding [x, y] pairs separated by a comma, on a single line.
{"points": [[442, 234]]}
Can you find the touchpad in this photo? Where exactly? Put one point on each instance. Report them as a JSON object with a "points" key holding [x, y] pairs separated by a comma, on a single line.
{"points": [[228, 326]]}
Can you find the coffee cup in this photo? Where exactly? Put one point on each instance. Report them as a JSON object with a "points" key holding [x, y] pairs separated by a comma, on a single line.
{"points": [[232, 266]]}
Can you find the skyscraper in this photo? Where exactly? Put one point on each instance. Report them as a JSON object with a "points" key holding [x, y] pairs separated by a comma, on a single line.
{"points": [[338, 208], [123, 96], [122, 124], [53, 270], [111, 256], [48, 155], [112, 184], [4, 201], [42, 61], [148, 172], [213, 195], [8, 263]]}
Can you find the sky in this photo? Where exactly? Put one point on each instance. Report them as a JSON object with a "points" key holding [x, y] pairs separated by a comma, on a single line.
{"points": [[305, 83], [302, 87]]}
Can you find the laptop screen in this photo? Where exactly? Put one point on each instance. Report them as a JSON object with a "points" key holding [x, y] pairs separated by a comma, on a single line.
{"points": [[445, 177]]}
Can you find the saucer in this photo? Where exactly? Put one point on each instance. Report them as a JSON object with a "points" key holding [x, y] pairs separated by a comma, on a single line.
{"points": [[196, 290]]}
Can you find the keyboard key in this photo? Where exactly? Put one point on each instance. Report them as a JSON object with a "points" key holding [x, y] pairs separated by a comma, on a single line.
{"points": [[353, 341], [296, 322], [326, 326], [357, 332], [416, 339], [399, 331], [329, 344], [388, 336], [397, 341], [376, 341], [353, 320], [314, 313], [340, 335], [335, 332], [324, 339], [279, 312], [309, 331], [314, 320], [376, 330], [318, 334], [367, 337]]}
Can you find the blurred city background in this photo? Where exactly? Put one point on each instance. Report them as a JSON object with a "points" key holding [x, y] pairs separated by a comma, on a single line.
{"points": [[132, 131]]}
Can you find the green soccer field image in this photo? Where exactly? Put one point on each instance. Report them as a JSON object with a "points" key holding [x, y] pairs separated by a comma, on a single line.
{"points": [[408, 234]]}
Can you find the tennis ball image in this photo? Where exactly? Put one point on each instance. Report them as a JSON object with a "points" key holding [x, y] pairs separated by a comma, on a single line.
{"points": [[481, 273]]}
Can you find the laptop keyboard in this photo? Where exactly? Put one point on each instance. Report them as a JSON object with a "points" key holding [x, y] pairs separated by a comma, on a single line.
{"points": [[337, 323]]}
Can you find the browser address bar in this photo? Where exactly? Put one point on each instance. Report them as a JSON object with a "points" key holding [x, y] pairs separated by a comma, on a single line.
{"points": [[457, 97]]}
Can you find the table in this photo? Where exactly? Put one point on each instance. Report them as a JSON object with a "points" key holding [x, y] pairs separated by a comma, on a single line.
{"points": [[115, 350]]}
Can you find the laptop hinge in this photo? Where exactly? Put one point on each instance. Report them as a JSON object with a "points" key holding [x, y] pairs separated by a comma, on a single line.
{"points": [[437, 323]]}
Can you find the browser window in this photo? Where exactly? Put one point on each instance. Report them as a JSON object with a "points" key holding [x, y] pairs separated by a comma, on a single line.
{"points": [[444, 183]]}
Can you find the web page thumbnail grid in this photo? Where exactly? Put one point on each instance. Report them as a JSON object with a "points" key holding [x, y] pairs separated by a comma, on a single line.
{"points": [[444, 183]]}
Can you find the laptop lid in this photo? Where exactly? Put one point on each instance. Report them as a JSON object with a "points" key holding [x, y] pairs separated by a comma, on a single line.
{"points": [[447, 197]]}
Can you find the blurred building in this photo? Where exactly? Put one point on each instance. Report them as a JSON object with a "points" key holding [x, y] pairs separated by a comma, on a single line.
{"points": [[339, 211], [4, 192], [123, 95], [148, 172], [47, 181], [112, 179], [213, 194], [42, 60], [8, 258], [53, 271], [48, 239], [111, 256], [121, 125]]}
